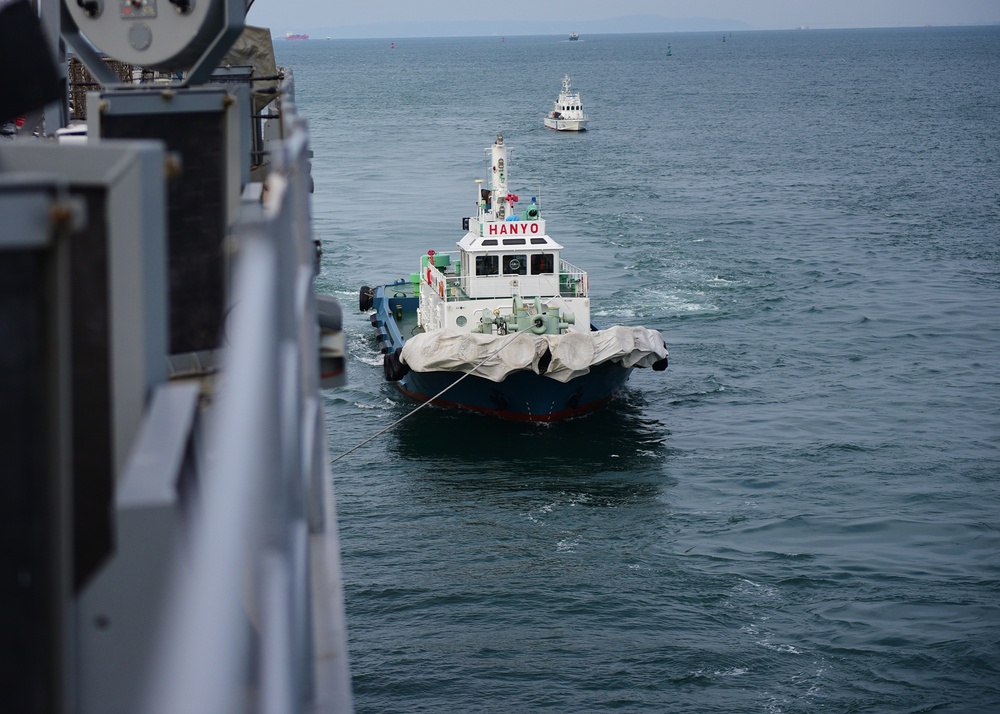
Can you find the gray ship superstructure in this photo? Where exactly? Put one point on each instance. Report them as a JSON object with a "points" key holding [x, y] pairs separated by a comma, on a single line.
{"points": [[170, 540]]}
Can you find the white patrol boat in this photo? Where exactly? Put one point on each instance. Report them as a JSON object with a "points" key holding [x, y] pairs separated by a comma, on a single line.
{"points": [[567, 111], [502, 326]]}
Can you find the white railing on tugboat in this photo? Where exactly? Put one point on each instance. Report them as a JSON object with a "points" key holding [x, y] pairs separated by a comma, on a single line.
{"points": [[572, 280]]}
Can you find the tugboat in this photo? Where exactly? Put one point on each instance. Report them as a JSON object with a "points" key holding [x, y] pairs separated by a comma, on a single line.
{"points": [[567, 111], [502, 325]]}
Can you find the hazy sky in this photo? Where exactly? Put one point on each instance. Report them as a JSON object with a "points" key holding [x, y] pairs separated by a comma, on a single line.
{"points": [[300, 15]]}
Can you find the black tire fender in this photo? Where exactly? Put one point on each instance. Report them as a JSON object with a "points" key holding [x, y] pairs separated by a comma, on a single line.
{"points": [[365, 298], [392, 365]]}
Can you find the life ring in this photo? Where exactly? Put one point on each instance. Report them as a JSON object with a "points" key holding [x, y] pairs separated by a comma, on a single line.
{"points": [[441, 288]]}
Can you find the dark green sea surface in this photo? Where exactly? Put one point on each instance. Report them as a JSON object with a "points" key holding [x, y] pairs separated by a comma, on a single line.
{"points": [[802, 513]]}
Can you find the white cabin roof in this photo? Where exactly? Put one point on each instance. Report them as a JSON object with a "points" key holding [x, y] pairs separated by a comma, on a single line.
{"points": [[489, 242]]}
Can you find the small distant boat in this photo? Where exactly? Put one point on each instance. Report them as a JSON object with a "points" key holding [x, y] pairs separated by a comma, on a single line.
{"points": [[567, 111], [573, 37], [502, 327], [293, 36]]}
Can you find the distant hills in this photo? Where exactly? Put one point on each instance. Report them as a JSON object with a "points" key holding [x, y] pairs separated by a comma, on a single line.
{"points": [[511, 28]]}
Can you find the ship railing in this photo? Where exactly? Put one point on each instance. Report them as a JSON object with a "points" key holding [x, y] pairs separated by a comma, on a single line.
{"points": [[258, 577], [572, 280], [454, 288], [177, 543], [448, 284]]}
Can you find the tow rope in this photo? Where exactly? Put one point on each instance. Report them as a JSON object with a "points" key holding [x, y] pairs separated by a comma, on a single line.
{"points": [[424, 404]]}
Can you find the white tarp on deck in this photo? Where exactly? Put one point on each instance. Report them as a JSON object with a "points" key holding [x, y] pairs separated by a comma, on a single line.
{"points": [[495, 356]]}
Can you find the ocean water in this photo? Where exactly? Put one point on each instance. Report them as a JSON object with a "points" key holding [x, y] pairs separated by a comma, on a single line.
{"points": [[801, 514]]}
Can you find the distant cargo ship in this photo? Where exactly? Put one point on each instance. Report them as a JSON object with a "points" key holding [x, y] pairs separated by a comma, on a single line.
{"points": [[293, 36]]}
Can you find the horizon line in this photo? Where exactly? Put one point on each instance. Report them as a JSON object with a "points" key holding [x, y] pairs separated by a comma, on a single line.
{"points": [[801, 28]]}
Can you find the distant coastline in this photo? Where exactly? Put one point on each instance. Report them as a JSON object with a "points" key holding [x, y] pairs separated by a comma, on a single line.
{"points": [[613, 26], [633, 24]]}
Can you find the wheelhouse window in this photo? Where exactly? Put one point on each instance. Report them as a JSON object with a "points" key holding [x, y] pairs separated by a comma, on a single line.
{"points": [[515, 264], [487, 264], [542, 263]]}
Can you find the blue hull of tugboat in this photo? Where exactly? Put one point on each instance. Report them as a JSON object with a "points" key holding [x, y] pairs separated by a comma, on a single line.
{"points": [[522, 396]]}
